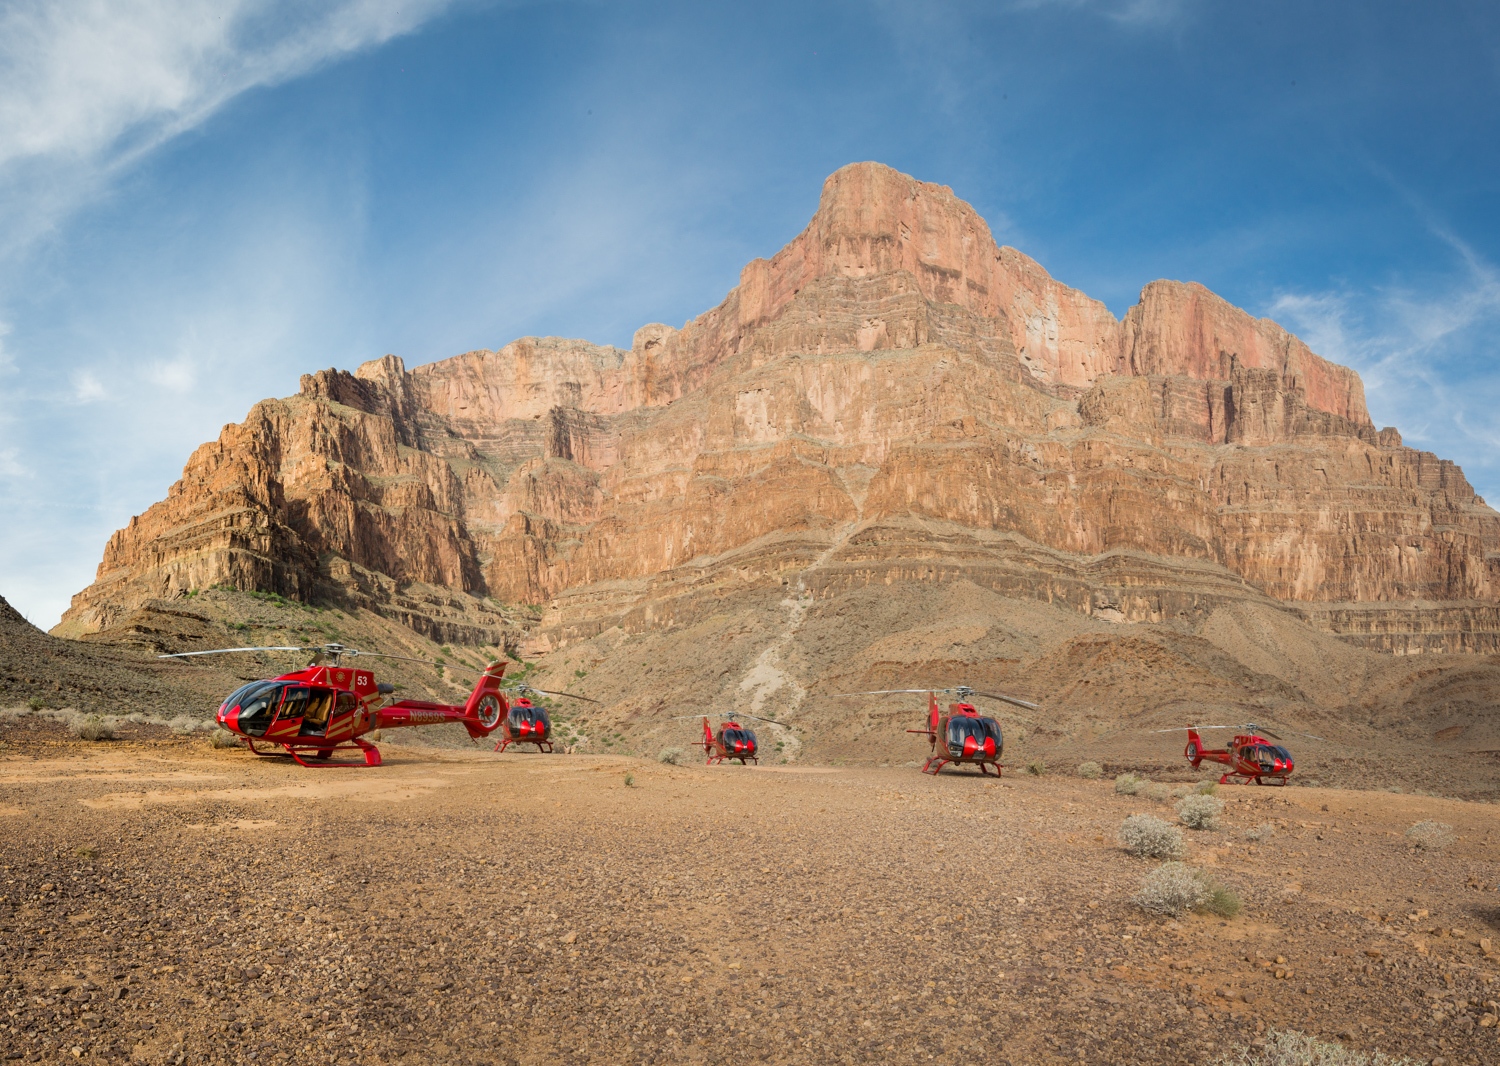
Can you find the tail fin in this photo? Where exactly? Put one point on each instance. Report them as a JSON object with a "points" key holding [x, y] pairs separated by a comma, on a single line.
{"points": [[1194, 751], [487, 707]]}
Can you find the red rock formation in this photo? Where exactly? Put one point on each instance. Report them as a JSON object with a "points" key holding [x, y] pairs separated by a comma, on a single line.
{"points": [[891, 364]]}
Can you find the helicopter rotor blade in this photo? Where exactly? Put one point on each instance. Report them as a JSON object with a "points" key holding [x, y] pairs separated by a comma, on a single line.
{"points": [[523, 687], [887, 692], [1180, 728], [1009, 699], [386, 655], [226, 651]]}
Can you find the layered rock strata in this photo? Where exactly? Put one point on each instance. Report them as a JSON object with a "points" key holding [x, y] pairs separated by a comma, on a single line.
{"points": [[888, 385]]}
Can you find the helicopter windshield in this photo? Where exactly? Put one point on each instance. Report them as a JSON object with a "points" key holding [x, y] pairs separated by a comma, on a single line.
{"points": [[257, 704], [970, 737], [1266, 756], [737, 740]]}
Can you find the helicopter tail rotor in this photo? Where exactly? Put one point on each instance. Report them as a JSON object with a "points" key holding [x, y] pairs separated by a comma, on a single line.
{"points": [[486, 706]]}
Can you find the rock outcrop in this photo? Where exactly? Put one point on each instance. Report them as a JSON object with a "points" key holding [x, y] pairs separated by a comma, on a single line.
{"points": [[890, 393]]}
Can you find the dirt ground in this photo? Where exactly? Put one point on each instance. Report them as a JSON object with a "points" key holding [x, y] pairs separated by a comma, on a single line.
{"points": [[163, 901]]}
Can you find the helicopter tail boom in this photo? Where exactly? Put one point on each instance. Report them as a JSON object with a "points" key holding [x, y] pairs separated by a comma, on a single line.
{"points": [[481, 715]]}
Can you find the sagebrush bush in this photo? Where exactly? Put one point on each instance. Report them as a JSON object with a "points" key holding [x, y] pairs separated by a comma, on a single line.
{"points": [[1036, 767], [1200, 812], [1173, 889], [1292, 1048], [1206, 788], [223, 738], [183, 724], [1149, 837], [1129, 784], [92, 728], [1430, 836], [1156, 791], [670, 756], [1090, 770]]}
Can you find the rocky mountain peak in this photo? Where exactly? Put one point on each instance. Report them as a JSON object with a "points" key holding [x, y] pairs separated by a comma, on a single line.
{"points": [[890, 387]]}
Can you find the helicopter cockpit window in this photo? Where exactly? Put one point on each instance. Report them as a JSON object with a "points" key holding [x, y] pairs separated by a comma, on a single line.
{"points": [[744, 738], [1264, 756], [1281, 753], [980, 729], [257, 702], [294, 703]]}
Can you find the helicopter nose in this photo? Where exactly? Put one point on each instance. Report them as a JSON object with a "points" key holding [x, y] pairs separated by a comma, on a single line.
{"points": [[971, 745], [989, 746]]}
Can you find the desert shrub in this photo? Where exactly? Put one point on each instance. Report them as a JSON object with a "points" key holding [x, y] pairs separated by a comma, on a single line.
{"points": [[86, 852], [92, 727], [183, 724], [1173, 889], [1224, 902], [1129, 784], [35, 703], [1091, 771], [1036, 767], [630, 780], [1264, 831], [1150, 838], [1156, 791], [1206, 788], [1430, 836], [671, 756], [223, 738], [1292, 1048], [1200, 812]]}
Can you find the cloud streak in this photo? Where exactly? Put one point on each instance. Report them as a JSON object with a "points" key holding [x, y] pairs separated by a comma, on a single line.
{"points": [[88, 87], [1423, 355]]}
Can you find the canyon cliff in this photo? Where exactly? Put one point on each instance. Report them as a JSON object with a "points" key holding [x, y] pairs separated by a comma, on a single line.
{"points": [[890, 399]]}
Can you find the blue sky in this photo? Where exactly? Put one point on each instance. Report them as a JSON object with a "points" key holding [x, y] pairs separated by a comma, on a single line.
{"points": [[202, 199]]}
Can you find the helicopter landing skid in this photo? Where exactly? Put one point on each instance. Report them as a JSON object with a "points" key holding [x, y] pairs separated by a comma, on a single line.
{"points": [[936, 763], [715, 760], [321, 757], [542, 746], [1252, 779]]}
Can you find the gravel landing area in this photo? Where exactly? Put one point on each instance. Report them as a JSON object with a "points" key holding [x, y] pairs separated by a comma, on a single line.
{"points": [[168, 902]]}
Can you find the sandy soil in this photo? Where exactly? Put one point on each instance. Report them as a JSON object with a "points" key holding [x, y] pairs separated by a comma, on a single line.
{"points": [[163, 901]]}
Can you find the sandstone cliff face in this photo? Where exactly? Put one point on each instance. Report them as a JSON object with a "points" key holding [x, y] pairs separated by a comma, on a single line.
{"points": [[890, 366]]}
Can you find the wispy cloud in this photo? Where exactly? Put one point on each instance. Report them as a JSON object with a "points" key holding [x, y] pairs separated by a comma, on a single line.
{"points": [[1426, 356], [86, 386], [87, 87], [1126, 12]]}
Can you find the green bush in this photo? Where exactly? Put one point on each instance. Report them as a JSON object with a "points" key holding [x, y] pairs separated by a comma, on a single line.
{"points": [[1036, 767]]}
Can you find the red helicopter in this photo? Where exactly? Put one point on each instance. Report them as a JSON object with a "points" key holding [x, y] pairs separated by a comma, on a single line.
{"points": [[328, 707], [1250, 756], [732, 741], [967, 736], [527, 722]]}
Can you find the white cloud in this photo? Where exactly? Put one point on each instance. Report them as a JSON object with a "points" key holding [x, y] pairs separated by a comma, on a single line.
{"points": [[1425, 356], [89, 86], [1125, 12], [177, 375], [87, 387]]}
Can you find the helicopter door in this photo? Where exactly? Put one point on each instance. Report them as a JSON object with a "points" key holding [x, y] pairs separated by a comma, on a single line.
{"points": [[317, 705]]}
